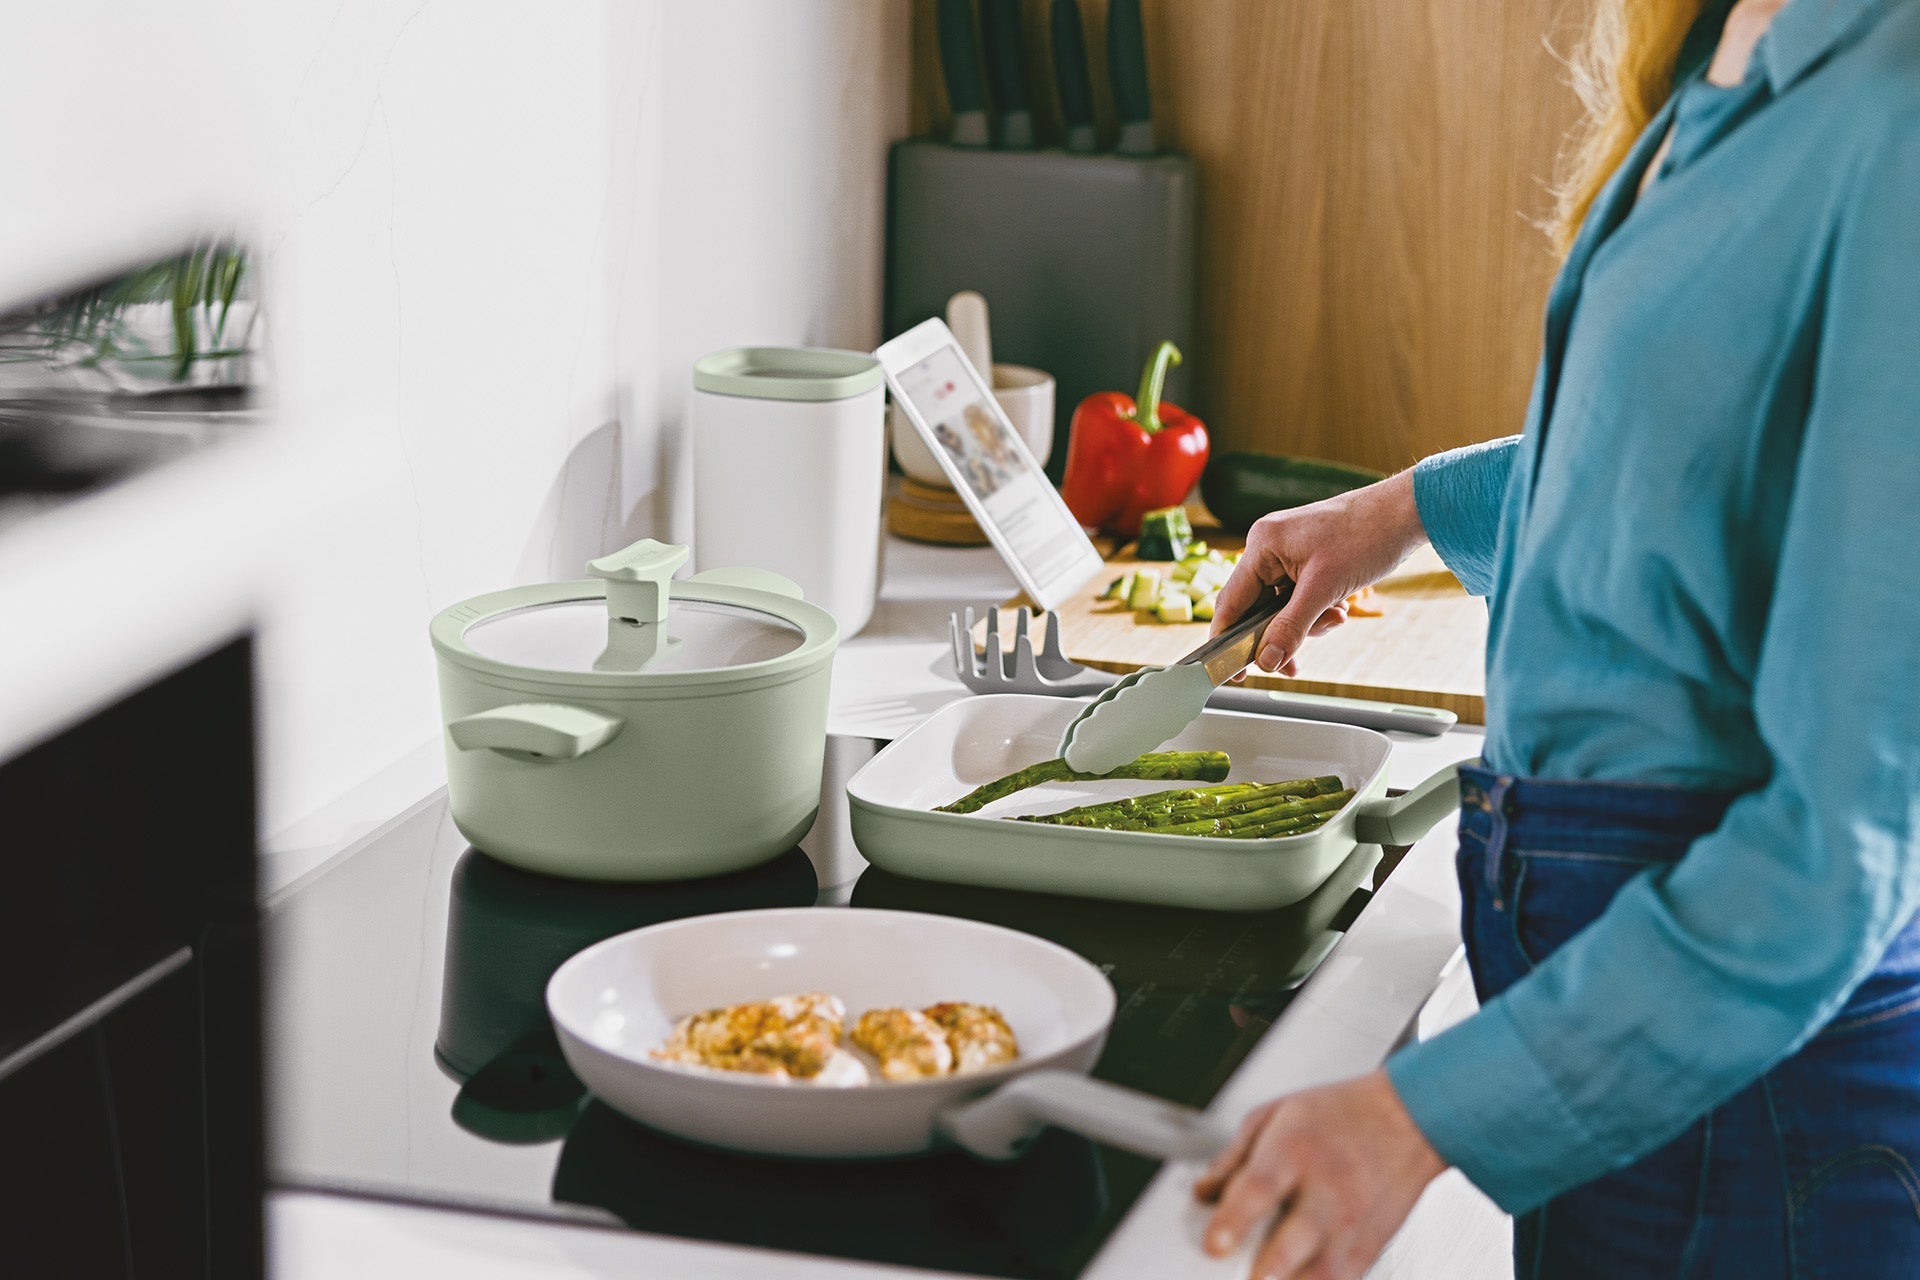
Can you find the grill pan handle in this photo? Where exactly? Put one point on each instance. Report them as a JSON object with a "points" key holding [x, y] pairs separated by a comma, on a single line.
{"points": [[998, 1126], [1404, 819]]}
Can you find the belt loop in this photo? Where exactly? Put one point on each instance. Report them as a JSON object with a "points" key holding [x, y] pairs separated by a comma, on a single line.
{"points": [[1497, 834]]}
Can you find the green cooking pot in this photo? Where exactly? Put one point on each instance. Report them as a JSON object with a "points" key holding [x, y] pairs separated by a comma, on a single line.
{"points": [[634, 727]]}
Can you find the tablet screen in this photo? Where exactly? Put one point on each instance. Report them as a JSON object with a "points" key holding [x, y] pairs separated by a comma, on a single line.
{"points": [[985, 455]]}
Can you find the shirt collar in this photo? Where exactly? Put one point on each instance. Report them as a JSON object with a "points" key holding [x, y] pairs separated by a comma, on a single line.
{"points": [[1804, 32]]}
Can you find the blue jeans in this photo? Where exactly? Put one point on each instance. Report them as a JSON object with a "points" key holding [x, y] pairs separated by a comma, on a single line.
{"points": [[1811, 1172]]}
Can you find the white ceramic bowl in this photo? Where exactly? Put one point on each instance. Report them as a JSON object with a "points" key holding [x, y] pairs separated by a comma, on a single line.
{"points": [[1026, 396], [617, 1000]]}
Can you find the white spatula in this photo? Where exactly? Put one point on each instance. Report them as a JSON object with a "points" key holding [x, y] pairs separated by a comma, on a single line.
{"points": [[1155, 703]]}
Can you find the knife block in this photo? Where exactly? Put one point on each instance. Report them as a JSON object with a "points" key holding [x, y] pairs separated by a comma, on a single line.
{"points": [[1086, 261]]}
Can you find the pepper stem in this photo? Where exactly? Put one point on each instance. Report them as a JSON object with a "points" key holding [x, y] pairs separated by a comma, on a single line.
{"points": [[1153, 380]]}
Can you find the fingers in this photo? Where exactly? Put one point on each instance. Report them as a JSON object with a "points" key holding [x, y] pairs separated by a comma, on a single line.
{"points": [[1295, 1242], [1264, 1181], [1208, 1185], [1332, 618], [1243, 588], [1328, 621], [1291, 626], [1341, 1166]]}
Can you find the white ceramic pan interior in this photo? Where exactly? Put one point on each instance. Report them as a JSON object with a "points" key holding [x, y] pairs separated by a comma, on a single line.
{"points": [[617, 1000]]}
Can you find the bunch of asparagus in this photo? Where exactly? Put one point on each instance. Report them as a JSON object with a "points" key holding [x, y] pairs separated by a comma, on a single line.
{"points": [[1245, 810]]}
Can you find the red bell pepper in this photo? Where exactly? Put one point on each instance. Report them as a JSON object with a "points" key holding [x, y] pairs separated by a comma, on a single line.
{"points": [[1126, 457]]}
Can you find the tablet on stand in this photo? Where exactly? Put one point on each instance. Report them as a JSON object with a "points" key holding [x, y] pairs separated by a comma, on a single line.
{"points": [[952, 407]]}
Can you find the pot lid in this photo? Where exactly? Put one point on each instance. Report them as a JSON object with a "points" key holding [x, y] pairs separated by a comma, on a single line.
{"points": [[581, 636], [634, 626]]}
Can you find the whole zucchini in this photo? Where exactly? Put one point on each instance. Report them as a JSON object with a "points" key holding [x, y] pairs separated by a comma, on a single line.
{"points": [[1239, 488]]}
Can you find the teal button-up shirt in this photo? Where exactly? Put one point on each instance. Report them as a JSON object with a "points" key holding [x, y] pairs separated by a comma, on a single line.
{"points": [[1703, 565]]}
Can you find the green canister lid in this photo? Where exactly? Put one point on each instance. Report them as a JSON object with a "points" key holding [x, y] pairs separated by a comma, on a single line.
{"points": [[787, 373]]}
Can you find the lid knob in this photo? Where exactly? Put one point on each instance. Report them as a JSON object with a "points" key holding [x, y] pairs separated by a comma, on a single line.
{"points": [[637, 579]]}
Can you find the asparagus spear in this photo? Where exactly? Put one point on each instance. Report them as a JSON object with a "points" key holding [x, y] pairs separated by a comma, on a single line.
{"points": [[1164, 814], [1258, 828], [1286, 827], [1183, 766], [1258, 812], [1174, 806], [1152, 802], [1247, 820], [1193, 803]]}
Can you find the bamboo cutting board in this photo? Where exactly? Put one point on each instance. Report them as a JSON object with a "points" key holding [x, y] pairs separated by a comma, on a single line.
{"points": [[1427, 649]]}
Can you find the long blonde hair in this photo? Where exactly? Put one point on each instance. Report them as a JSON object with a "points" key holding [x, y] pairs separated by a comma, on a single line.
{"points": [[1623, 72]]}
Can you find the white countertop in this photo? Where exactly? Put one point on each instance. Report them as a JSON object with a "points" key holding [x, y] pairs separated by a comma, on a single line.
{"points": [[1362, 1000]]}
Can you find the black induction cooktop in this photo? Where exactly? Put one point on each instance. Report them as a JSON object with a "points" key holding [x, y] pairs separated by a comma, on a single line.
{"points": [[409, 1053]]}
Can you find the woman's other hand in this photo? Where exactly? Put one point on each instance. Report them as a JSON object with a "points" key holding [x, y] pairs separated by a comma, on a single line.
{"points": [[1344, 1165], [1331, 550]]}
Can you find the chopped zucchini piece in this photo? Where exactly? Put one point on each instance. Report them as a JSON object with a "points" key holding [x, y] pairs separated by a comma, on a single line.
{"points": [[1144, 591], [1195, 551], [1120, 588], [1211, 577], [1164, 534], [1198, 590], [1176, 609], [1185, 570], [1203, 609]]}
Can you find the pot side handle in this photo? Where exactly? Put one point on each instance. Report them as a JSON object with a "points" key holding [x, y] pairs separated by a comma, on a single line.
{"points": [[535, 731], [753, 579], [1404, 819], [997, 1126]]}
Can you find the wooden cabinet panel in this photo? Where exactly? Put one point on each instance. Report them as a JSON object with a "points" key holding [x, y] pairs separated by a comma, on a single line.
{"points": [[1372, 176]]}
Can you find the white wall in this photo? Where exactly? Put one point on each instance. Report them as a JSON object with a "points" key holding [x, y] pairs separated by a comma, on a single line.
{"points": [[497, 235]]}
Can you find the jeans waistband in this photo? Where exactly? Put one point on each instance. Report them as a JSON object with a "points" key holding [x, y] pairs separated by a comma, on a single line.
{"points": [[1627, 819]]}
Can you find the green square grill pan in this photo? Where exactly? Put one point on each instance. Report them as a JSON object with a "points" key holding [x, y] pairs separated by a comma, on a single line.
{"points": [[976, 740]]}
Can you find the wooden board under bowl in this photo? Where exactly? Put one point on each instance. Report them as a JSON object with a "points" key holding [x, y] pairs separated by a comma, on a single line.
{"points": [[1427, 649]]}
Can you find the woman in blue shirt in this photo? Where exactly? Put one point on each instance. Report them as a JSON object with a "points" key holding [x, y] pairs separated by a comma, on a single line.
{"points": [[1691, 859]]}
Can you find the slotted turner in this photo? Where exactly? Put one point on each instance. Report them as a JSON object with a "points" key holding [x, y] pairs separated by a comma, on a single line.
{"points": [[1023, 668]]}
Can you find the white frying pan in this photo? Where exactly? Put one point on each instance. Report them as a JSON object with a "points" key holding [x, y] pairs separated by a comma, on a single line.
{"points": [[618, 999]]}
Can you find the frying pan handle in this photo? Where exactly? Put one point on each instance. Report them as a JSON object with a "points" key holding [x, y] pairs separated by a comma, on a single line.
{"points": [[1404, 819], [998, 1125]]}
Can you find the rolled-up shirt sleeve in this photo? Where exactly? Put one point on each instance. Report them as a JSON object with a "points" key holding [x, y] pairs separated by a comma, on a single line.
{"points": [[1458, 494], [1700, 976]]}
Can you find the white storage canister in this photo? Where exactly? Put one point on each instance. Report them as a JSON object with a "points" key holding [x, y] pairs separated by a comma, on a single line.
{"points": [[789, 469]]}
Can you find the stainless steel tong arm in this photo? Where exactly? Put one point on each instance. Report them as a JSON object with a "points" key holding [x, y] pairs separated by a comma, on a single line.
{"points": [[1233, 650]]}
